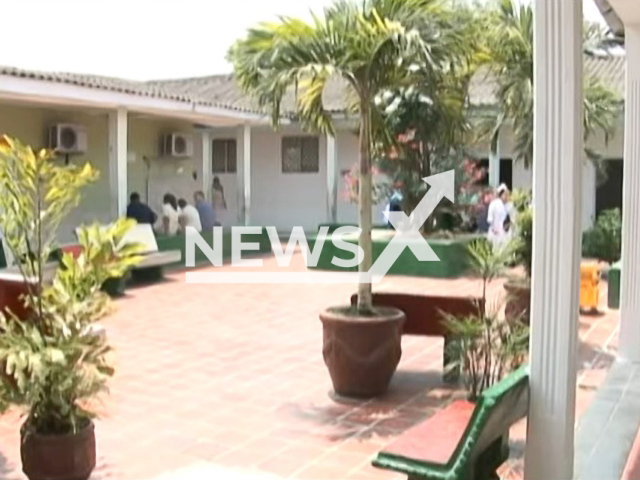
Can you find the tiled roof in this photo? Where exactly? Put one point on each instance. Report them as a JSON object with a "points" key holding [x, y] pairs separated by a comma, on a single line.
{"points": [[132, 87], [222, 90]]}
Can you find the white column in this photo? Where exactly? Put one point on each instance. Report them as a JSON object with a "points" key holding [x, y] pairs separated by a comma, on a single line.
{"points": [[494, 161], [243, 175], [118, 162], [332, 179], [557, 178], [630, 273], [205, 137]]}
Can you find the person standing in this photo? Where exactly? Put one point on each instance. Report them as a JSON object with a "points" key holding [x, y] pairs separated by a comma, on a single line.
{"points": [[498, 218], [208, 218], [188, 216], [170, 215], [394, 205], [139, 211], [218, 200]]}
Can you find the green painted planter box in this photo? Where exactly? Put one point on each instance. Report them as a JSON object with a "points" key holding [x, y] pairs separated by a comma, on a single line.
{"points": [[334, 226], [613, 293], [177, 242], [452, 253]]}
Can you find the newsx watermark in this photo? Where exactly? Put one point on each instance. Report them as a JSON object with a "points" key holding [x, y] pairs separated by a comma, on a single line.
{"points": [[407, 235]]}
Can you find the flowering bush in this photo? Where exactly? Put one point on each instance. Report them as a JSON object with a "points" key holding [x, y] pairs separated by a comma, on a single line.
{"points": [[381, 187]]}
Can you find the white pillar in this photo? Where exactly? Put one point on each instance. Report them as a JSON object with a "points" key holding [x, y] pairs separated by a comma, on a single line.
{"points": [[332, 180], [205, 180], [243, 175], [494, 161], [630, 273], [557, 178], [118, 162]]}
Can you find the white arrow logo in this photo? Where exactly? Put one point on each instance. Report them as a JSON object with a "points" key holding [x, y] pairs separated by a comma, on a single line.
{"points": [[408, 227]]}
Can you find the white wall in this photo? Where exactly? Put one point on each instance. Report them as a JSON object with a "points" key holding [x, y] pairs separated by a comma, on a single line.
{"points": [[29, 124], [282, 199], [165, 174]]}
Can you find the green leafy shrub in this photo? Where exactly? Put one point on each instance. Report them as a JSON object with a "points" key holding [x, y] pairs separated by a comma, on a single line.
{"points": [[52, 363], [604, 240], [522, 243], [485, 347]]}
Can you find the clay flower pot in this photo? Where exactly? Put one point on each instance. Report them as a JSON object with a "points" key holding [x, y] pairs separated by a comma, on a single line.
{"points": [[361, 352], [59, 457], [518, 301]]}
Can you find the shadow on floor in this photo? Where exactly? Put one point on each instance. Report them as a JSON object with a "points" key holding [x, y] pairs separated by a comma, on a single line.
{"points": [[593, 357], [413, 396]]}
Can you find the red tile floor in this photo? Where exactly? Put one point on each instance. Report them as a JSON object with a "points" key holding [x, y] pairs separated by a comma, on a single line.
{"points": [[233, 376]]}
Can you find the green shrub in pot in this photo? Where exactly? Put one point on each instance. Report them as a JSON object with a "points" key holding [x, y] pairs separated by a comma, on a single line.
{"points": [[53, 363]]}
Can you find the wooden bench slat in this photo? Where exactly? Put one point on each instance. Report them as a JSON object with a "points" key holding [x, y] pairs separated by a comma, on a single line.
{"points": [[482, 446], [434, 440]]}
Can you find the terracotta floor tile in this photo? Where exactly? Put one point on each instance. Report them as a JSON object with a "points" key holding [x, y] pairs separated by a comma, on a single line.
{"points": [[234, 375]]}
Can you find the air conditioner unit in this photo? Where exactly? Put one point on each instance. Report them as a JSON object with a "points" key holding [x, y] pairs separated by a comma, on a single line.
{"points": [[176, 145], [67, 138]]}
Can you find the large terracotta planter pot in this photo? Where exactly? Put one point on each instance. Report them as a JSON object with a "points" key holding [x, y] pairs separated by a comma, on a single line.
{"points": [[59, 457], [518, 301], [361, 352]]}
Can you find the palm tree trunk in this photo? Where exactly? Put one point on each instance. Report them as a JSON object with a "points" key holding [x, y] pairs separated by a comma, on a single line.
{"points": [[365, 301]]}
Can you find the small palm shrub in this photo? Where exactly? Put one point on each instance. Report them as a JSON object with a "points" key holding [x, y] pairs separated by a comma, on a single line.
{"points": [[486, 347]]}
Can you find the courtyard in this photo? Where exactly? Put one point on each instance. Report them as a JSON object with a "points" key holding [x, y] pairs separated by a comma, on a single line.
{"points": [[214, 381]]}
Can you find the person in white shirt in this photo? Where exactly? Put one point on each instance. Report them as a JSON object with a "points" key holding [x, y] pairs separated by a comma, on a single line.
{"points": [[170, 215], [499, 219], [189, 216]]}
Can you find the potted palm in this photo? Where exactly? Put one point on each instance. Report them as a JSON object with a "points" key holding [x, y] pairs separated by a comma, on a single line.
{"points": [[368, 47], [53, 362]]}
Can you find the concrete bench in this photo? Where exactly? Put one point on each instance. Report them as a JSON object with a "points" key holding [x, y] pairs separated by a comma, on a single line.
{"points": [[425, 316], [464, 441], [153, 261]]}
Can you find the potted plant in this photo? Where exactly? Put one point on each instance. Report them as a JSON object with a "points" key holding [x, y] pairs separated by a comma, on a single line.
{"points": [[519, 288], [53, 361], [367, 48], [485, 347]]}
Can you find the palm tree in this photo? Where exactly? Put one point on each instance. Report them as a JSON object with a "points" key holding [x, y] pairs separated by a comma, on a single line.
{"points": [[511, 61], [371, 45], [429, 120]]}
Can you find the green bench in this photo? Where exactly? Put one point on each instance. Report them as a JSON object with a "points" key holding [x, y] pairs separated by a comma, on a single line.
{"points": [[464, 441]]}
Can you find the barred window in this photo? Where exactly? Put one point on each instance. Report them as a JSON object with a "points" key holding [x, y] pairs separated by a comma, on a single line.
{"points": [[224, 156], [300, 154]]}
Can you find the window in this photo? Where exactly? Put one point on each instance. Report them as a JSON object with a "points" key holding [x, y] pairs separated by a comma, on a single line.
{"points": [[224, 156], [300, 154]]}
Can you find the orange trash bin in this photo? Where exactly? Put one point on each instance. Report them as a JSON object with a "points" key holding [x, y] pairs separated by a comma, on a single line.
{"points": [[589, 286]]}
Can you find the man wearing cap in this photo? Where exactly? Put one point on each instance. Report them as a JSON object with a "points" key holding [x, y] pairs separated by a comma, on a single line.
{"points": [[498, 218]]}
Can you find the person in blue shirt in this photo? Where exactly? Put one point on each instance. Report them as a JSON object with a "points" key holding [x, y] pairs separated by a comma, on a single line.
{"points": [[208, 217], [139, 211]]}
